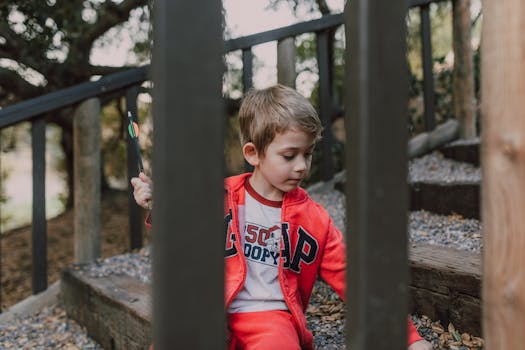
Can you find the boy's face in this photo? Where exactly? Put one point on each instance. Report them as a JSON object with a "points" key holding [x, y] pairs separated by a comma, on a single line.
{"points": [[284, 165]]}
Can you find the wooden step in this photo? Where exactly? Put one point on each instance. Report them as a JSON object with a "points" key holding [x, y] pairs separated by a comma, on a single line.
{"points": [[115, 310], [463, 151], [462, 198], [446, 285]]}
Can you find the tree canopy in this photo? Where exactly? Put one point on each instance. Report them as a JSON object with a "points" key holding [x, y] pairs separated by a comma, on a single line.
{"points": [[46, 45]]}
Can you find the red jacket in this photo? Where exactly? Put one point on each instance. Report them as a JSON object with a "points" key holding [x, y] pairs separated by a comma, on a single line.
{"points": [[311, 246]]}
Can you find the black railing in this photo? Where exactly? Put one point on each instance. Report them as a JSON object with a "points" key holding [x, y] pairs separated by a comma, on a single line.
{"points": [[323, 27], [127, 83], [35, 110]]}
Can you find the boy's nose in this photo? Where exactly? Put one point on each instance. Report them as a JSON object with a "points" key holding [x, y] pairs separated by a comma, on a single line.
{"points": [[301, 164]]}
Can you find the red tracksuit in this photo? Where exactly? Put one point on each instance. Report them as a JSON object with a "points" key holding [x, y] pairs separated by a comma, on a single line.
{"points": [[311, 245]]}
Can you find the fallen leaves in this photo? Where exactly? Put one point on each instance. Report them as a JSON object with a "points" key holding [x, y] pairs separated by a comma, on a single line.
{"points": [[449, 338]]}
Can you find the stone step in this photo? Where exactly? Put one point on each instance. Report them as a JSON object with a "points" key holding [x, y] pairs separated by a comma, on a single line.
{"points": [[114, 309]]}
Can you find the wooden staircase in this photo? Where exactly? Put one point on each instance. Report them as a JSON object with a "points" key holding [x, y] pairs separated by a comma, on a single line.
{"points": [[445, 285], [446, 282]]}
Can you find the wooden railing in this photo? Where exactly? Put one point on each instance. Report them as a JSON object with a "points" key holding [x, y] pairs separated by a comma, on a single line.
{"points": [[86, 100], [128, 83]]}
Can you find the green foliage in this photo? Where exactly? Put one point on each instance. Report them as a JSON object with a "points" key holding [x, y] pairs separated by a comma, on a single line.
{"points": [[441, 29], [113, 142]]}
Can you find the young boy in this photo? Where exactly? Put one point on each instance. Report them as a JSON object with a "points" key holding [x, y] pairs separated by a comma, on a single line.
{"points": [[278, 239]]}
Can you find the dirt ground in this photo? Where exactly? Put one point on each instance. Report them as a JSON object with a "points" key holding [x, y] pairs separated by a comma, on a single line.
{"points": [[16, 264]]}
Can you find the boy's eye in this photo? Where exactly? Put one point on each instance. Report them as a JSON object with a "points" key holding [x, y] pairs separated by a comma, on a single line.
{"points": [[288, 157]]}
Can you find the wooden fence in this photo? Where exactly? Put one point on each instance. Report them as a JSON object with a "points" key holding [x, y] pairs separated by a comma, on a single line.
{"points": [[187, 77]]}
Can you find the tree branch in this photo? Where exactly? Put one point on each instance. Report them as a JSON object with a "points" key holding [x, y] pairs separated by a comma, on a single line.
{"points": [[18, 49], [323, 7], [11, 82], [114, 14]]}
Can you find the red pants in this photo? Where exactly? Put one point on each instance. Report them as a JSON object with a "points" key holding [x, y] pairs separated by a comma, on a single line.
{"points": [[264, 330]]}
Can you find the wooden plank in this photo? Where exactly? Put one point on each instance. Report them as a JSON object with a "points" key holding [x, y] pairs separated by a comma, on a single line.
{"points": [[116, 310], [325, 22], [446, 285], [459, 270], [428, 141], [464, 97], [135, 212], [325, 103], [66, 97], [468, 152], [286, 57], [428, 64], [87, 175], [446, 198], [503, 160], [377, 197], [188, 174], [39, 229]]}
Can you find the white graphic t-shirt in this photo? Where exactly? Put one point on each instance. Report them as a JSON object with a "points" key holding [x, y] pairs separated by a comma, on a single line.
{"points": [[260, 223]]}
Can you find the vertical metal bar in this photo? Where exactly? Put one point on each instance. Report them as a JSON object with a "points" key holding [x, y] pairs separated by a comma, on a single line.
{"points": [[38, 144], [135, 212], [376, 160], [247, 69], [247, 84], [0, 221], [325, 104], [428, 75], [188, 237]]}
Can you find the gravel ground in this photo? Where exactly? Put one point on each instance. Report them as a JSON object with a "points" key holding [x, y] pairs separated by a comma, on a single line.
{"points": [[50, 329], [435, 168]]}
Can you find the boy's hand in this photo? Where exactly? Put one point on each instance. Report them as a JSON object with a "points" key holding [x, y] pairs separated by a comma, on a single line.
{"points": [[420, 345], [143, 190]]}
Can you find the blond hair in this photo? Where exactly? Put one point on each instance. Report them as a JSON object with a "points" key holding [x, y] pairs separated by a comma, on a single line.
{"points": [[267, 112]]}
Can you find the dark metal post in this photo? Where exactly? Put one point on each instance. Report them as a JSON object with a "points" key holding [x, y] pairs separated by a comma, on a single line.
{"points": [[376, 161], [325, 103], [135, 212], [38, 144], [247, 69], [0, 230], [188, 237], [428, 75], [247, 84]]}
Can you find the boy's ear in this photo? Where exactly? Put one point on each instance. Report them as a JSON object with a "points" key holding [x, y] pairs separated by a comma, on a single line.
{"points": [[249, 151]]}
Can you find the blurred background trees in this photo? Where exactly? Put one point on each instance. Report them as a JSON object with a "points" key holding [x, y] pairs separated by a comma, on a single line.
{"points": [[47, 45]]}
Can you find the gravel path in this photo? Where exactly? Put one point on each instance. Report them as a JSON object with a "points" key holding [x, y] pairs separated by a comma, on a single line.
{"points": [[51, 329], [48, 329], [435, 168]]}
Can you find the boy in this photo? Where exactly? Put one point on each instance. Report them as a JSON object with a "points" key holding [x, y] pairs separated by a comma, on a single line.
{"points": [[278, 239]]}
